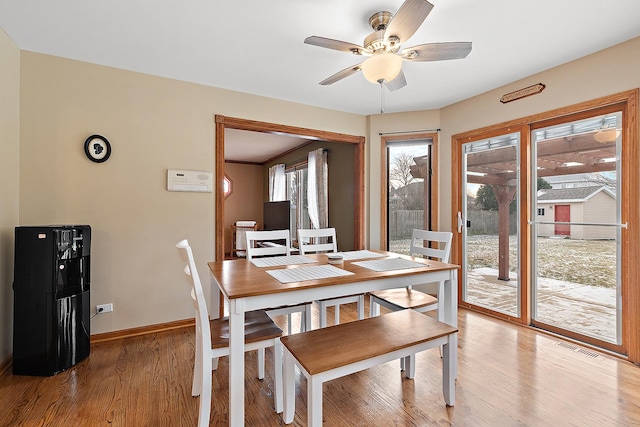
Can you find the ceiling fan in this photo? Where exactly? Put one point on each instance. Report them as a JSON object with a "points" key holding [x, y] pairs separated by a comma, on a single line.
{"points": [[382, 47]]}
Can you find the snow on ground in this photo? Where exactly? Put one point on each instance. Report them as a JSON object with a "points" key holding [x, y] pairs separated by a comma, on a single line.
{"points": [[578, 292], [588, 310]]}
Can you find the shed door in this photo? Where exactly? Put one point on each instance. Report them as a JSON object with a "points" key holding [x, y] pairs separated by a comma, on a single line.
{"points": [[562, 214]]}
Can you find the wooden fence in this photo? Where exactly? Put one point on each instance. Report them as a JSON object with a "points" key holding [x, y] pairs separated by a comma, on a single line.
{"points": [[402, 222]]}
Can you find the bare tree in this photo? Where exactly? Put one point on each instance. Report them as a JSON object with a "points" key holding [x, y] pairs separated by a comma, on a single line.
{"points": [[400, 172]]}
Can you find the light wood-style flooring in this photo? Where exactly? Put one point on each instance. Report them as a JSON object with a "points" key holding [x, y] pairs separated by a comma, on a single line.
{"points": [[508, 376]]}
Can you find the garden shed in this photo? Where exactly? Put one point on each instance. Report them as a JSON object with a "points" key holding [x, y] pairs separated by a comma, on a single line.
{"points": [[595, 204]]}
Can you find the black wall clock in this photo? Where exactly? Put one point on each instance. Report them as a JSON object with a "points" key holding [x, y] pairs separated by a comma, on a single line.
{"points": [[97, 148]]}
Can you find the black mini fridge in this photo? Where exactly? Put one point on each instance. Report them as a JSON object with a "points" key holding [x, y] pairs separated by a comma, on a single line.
{"points": [[51, 304]]}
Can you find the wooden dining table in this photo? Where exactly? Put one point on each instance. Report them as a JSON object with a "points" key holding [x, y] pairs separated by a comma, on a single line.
{"points": [[246, 287]]}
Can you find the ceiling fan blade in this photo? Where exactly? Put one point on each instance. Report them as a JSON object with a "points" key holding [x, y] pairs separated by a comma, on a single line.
{"points": [[341, 75], [408, 19], [437, 51], [334, 44], [398, 83]]}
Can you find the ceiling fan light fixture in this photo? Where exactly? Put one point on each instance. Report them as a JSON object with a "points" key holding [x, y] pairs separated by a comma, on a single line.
{"points": [[383, 67]]}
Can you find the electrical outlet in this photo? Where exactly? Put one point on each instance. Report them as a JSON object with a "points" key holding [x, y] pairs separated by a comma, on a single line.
{"points": [[104, 308]]}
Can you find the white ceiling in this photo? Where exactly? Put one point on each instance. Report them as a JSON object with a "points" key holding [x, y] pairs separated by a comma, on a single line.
{"points": [[257, 46], [255, 147]]}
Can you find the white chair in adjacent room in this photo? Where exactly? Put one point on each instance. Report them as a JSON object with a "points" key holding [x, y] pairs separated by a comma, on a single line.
{"points": [[323, 240], [212, 341], [403, 298], [272, 243]]}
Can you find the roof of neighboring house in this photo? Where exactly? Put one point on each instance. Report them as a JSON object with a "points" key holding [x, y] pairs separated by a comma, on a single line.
{"points": [[589, 179], [578, 194]]}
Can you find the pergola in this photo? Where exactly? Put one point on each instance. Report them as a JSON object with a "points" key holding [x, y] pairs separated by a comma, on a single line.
{"points": [[588, 147]]}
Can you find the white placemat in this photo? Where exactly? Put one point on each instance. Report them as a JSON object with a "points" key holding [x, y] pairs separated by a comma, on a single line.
{"points": [[300, 274], [389, 264], [276, 261], [351, 255]]}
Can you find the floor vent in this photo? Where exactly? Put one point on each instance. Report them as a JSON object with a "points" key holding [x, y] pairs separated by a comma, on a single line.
{"points": [[579, 349]]}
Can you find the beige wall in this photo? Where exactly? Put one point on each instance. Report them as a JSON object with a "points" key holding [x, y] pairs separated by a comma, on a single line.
{"points": [[153, 124], [245, 201], [9, 202]]}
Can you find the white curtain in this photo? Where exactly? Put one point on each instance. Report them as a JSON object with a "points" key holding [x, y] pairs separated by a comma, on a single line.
{"points": [[277, 184], [317, 188]]}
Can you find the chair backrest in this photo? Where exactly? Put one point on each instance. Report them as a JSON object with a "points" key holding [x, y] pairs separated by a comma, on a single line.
{"points": [[421, 241], [317, 240], [203, 329], [265, 243]]}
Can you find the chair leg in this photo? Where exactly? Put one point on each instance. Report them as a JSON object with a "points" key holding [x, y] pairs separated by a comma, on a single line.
{"points": [[307, 318], [323, 314], [204, 411], [260, 363], [196, 385], [336, 314], [374, 307], [409, 366], [278, 375], [289, 324]]}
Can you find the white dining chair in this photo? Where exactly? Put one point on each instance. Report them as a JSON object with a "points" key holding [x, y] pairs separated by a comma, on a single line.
{"points": [[403, 298], [273, 243], [212, 341], [422, 244], [323, 240]]}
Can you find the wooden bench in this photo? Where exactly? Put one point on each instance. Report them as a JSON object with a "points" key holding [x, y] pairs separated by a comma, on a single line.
{"points": [[329, 353]]}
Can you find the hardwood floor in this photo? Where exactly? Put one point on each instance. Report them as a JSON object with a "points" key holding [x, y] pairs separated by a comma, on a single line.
{"points": [[507, 376]]}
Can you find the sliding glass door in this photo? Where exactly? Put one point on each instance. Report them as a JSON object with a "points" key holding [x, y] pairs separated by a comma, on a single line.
{"points": [[577, 228], [548, 223], [489, 224]]}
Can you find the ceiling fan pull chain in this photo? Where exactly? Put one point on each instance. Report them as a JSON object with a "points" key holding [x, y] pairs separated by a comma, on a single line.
{"points": [[382, 106]]}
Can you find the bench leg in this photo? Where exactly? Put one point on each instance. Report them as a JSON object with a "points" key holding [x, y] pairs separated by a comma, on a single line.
{"points": [[277, 361], [289, 387], [449, 362], [314, 402]]}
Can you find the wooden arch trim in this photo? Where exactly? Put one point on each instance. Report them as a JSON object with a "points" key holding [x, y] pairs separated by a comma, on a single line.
{"points": [[224, 122]]}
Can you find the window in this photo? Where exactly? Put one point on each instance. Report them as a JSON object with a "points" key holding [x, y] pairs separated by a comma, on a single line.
{"points": [[296, 177]]}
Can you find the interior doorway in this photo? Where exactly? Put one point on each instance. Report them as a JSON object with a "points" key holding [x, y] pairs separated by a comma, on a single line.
{"points": [[224, 122]]}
